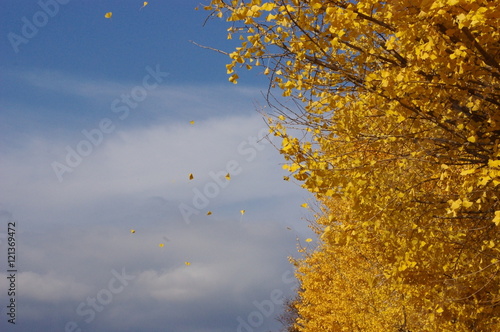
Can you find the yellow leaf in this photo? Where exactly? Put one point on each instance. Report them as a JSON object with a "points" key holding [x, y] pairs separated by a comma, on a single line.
{"points": [[305, 205], [316, 5], [191, 122], [456, 204], [472, 139], [161, 245], [494, 163], [308, 240], [132, 231], [187, 263], [268, 6], [234, 78], [242, 212], [270, 17], [209, 213], [108, 15], [466, 203], [228, 177], [469, 171], [191, 176], [496, 220]]}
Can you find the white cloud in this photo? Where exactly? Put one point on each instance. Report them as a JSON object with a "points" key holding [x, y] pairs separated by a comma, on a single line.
{"points": [[50, 287], [150, 161]]}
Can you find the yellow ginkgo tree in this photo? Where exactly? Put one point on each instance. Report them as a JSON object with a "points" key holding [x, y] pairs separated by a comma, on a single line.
{"points": [[397, 107]]}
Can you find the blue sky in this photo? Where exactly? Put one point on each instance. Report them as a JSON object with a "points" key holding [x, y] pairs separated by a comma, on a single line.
{"points": [[96, 140]]}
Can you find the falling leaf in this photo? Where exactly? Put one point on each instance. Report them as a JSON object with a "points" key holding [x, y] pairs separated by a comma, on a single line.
{"points": [[228, 177], [161, 245], [305, 205], [309, 240], [191, 122], [286, 178], [108, 15], [209, 213], [132, 231], [191, 176], [289, 228], [187, 263], [242, 211]]}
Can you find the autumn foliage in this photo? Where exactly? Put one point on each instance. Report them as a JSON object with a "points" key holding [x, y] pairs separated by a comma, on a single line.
{"points": [[398, 106]]}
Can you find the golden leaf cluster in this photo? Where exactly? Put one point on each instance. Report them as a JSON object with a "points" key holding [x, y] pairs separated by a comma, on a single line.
{"points": [[398, 106]]}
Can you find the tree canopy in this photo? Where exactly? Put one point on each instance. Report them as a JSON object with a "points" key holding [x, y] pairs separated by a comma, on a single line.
{"points": [[398, 106]]}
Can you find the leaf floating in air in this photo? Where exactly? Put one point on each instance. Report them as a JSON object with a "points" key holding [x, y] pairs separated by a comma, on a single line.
{"points": [[309, 240], [132, 231], [108, 15], [144, 5], [187, 263], [242, 212], [228, 177], [305, 205], [191, 176], [191, 122], [209, 213], [161, 245]]}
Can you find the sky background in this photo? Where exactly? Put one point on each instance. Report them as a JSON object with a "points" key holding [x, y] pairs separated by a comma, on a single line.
{"points": [[63, 90]]}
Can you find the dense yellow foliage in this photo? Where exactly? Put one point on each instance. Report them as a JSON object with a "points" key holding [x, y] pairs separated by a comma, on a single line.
{"points": [[402, 121]]}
